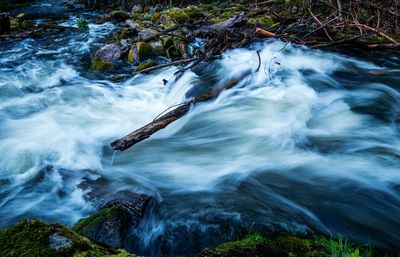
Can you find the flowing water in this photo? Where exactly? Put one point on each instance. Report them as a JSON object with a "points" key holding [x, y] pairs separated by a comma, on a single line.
{"points": [[311, 142]]}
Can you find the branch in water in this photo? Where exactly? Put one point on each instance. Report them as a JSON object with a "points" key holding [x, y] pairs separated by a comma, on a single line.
{"points": [[171, 116]]}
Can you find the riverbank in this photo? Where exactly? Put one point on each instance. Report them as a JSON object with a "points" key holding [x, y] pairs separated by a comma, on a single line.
{"points": [[35, 238]]}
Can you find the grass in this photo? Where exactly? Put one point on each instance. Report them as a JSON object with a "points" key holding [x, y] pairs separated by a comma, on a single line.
{"points": [[82, 23]]}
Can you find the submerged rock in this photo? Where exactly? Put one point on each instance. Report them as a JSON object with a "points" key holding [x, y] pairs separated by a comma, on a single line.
{"points": [[36, 238], [4, 23]]}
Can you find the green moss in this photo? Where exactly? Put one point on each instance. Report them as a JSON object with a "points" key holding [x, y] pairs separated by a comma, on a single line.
{"points": [[221, 17], [139, 52], [248, 243], [87, 224], [193, 12], [263, 21], [100, 65], [255, 245], [155, 17], [32, 238], [145, 65], [178, 14]]}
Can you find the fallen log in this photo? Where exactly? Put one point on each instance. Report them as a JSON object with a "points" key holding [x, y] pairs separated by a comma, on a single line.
{"points": [[166, 119]]}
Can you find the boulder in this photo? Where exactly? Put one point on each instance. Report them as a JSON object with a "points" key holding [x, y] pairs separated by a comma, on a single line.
{"points": [[36, 238], [106, 55], [118, 213], [4, 23], [108, 226], [119, 16], [110, 53], [140, 52], [125, 33], [146, 33]]}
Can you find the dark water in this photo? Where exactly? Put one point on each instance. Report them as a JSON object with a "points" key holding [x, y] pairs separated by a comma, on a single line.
{"points": [[309, 143]]}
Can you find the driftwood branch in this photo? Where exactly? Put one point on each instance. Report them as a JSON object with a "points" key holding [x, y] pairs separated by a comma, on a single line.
{"points": [[157, 67], [166, 119]]}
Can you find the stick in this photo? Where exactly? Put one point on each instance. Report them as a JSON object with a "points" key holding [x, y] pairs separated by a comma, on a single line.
{"points": [[264, 33], [160, 123], [179, 62], [388, 38], [320, 24]]}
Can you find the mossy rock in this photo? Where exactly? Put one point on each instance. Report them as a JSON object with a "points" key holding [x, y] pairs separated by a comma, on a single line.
{"points": [[155, 17], [35, 238], [145, 65], [178, 15], [100, 65], [125, 33], [255, 245], [119, 16], [21, 17], [139, 52], [263, 21], [107, 226], [221, 17]]}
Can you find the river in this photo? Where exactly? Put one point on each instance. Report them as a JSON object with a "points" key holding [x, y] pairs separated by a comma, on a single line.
{"points": [[310, 142]]}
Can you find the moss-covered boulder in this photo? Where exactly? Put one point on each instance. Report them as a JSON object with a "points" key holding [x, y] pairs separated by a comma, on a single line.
{"points": [[125, 33], [106, 55], [283, 246], [118, 213], [140, 52], [119, 16], [35, 238], [100, 65], [108, 226]]}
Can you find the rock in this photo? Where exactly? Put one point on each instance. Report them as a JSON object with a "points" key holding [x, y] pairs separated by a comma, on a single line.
{"points": [[156, 8], [110, 53], [132, 24], [175, 48], [4, 23], [119, 212], [109, 226], [139, 52], [119, 16], [230, 23], [21, 17], [105, 56], [99, 65], [58, 241], [137, 9], [36, 238], [125, 33], [145, 33], [178, 15]]}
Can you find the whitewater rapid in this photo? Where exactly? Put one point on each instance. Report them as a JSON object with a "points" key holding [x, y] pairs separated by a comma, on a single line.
{"points": [[309, 142]]}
